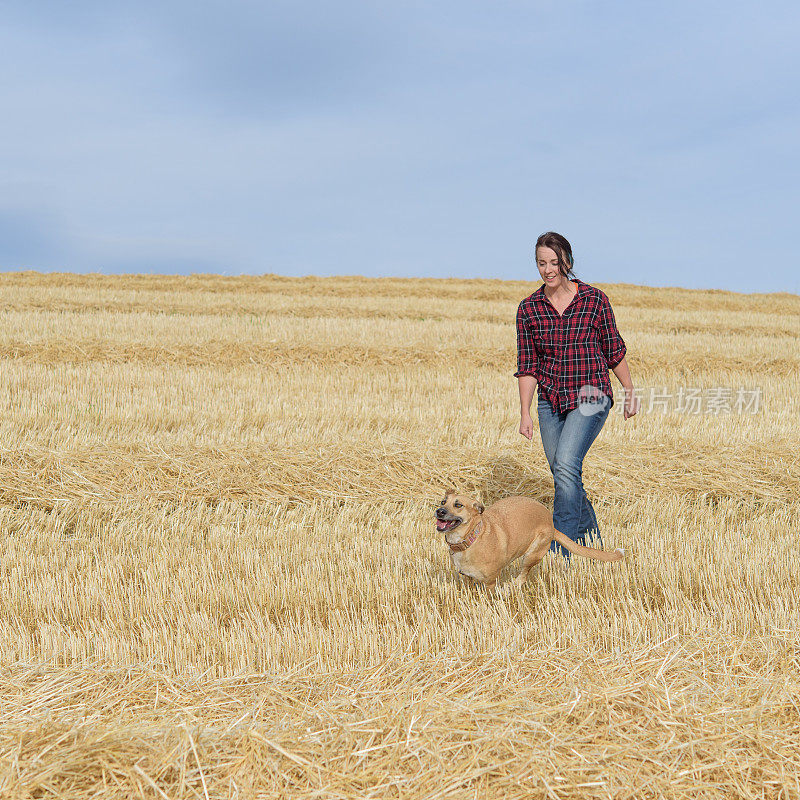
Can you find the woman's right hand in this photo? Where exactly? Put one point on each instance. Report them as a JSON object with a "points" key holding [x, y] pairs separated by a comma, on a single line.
{"points": [[526, 426]]}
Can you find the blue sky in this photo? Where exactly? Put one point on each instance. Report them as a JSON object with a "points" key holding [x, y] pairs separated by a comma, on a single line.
{"points": [[407, 139]]}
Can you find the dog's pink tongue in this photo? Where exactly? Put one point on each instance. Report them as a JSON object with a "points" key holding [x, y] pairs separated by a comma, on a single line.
{"points": [[441, 525]]}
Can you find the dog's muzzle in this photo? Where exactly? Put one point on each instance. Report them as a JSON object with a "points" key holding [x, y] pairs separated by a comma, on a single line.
{"points": [[445, 521]]}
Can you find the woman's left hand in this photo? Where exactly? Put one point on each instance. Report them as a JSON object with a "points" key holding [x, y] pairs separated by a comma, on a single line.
{"points": [[632, 404]]}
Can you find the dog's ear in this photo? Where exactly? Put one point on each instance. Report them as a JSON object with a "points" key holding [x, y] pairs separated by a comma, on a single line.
{"points": [[448, 492], [478, 507]]}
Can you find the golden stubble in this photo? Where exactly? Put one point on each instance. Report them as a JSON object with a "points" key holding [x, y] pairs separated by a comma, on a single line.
{"points": [[219, 574]]}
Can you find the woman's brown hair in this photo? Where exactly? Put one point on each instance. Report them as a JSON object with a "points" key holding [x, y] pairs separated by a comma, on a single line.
{"points": [[561, 247]]}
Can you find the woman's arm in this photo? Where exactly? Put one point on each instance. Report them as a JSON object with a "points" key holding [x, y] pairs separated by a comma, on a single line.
{"points": [[611, 342], [526, 368], [527, 386], [623, 375], [614, 349], [631, 402]]}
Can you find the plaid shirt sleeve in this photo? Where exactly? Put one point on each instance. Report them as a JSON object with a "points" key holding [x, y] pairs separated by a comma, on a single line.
{"points": [[611, 343], [526, 352]]}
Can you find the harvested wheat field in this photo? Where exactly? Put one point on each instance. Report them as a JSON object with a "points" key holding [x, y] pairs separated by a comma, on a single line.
{"points": [[220, 576]]}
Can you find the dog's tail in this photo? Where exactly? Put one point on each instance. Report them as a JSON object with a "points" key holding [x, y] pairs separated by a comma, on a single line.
{"points": [[589, 552]]}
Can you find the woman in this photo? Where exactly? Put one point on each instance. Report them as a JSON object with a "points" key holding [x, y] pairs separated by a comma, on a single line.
{"points": [[567, 339]]}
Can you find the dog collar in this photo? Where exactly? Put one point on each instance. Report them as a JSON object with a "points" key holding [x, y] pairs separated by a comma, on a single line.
{"points": [[467, 540]]}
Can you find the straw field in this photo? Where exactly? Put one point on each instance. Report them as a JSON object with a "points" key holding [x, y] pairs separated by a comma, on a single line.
{"points": [[219, 576]]}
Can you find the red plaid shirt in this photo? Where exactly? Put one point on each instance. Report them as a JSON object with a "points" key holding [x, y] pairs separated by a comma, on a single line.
{"points": [[567, 352]]}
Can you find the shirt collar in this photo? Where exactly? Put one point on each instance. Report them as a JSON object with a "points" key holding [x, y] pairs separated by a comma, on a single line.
{"points": [[583, 288]]}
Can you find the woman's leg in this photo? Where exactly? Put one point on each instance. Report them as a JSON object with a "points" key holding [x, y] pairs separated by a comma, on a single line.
{"points": [[588, 526], [573, 514], [551, 425]]}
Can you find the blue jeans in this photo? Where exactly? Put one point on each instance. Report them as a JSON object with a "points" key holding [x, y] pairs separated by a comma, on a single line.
{"points": [[566, 438]]}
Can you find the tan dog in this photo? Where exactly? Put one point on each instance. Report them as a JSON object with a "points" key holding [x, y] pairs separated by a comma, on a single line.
{"points": [[483, 541]]}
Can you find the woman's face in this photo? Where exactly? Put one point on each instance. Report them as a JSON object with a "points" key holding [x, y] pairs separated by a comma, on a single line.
{"points": [[547, 261]]}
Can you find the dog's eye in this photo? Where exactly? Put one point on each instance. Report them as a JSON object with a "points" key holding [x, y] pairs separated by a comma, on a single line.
{"points": [[458, 505]]}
